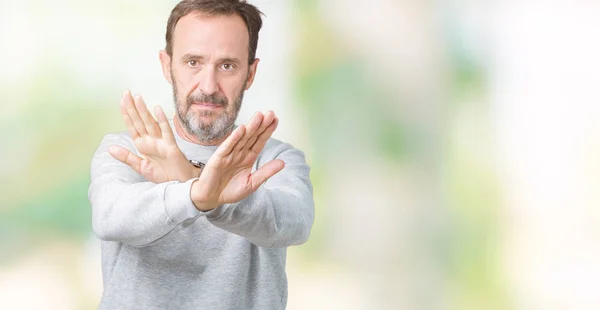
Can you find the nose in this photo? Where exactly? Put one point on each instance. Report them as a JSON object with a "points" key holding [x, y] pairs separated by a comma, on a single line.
{"points": [[207, 82]]}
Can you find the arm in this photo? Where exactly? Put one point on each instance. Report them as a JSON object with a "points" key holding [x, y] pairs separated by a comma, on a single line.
{"points": [[280, 213], [137, 200], [227, 179], [128, 208]]}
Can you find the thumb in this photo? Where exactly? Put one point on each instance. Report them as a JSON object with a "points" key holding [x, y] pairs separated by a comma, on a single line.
{"points": [[265, 172], [119, 153], [125, 156]]}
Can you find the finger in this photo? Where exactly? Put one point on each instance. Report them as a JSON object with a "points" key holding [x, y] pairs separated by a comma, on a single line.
{"points": [[163, 123], [267, 121], [251, 128], [264, 137], [129, 124], [134, 115], [127, 157], [227, 146], [126, 119], [266, 171], [149, 121]]}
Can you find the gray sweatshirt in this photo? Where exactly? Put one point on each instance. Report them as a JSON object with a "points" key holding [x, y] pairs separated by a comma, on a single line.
{"points": [[160, 252]]}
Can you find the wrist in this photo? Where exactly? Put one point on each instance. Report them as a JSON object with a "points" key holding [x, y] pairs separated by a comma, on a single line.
{"points": [[198, 166], [186, 172], [199, 202], [191, 172]]}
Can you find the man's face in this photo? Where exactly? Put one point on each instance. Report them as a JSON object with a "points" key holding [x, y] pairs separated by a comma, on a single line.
{"points": [[209, 73]]}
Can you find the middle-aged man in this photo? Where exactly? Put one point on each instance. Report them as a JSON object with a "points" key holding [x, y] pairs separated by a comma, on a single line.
{"points": [[180, 234]]}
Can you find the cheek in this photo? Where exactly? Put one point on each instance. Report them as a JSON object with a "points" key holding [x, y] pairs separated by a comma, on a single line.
{"points": [[182, 80], [233, 88]]}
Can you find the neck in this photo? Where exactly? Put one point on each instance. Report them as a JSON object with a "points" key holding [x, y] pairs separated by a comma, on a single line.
{"points": [[187, 136]]}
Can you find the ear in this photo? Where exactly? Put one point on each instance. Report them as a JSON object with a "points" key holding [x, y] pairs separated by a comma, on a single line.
{"points": [[252, 73], [165, 62]]}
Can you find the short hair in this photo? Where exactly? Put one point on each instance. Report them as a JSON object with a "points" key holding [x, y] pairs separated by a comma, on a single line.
{"points": [[248, 12]]}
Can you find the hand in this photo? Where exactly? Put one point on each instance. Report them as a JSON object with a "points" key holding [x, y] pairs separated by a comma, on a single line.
{"points": [[227, 176], [161, 159]]}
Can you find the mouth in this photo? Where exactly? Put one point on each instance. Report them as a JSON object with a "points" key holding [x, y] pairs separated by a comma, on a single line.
{"points": [[207, 105]]}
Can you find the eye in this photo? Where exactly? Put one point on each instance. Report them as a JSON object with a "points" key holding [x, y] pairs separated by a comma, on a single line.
{"points": [[192, 63], [227, 67]]}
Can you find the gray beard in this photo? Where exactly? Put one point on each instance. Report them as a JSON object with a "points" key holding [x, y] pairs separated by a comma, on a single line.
{"points": [[215, 130]]}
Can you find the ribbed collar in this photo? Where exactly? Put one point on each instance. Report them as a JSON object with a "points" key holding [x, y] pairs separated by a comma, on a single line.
{"points": [[193, 150]]}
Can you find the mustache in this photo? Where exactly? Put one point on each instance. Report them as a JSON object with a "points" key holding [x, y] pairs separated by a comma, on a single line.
{"points": [[213, 99]]}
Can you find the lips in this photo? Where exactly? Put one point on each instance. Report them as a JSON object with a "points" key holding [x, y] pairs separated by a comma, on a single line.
{"points": [[207, 105]]}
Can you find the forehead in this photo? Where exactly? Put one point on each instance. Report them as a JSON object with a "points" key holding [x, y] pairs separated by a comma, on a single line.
{"points": [[211, 36]]}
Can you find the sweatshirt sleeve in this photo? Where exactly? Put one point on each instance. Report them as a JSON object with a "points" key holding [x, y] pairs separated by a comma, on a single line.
{"points": [[281, 212], [128, 208]]}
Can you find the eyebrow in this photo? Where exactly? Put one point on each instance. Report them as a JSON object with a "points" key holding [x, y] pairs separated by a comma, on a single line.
{"points": [[187, 57]]}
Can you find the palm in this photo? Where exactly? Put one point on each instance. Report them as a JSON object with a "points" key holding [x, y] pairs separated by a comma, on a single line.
{"points": [[241, 183], [228, 180], [238, 187], [155, 157], [228, 177], [160, 159]]}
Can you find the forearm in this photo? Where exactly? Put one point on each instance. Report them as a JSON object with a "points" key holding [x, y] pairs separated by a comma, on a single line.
{"points": [[281, 212], [268, 218], [140, 213], [128, 208]]}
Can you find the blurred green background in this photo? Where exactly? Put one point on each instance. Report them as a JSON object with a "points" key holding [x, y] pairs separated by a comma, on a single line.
{"points": [[453, 145]]}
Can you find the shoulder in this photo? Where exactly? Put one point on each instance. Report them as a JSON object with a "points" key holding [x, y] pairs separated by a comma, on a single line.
{"points": [[120, 138], [277, 149], [103, 164]]}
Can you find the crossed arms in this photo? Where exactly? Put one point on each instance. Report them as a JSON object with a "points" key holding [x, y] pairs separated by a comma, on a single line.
{"points": [[139, 199]]}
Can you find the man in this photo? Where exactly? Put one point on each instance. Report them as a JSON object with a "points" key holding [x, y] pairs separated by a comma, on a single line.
{"points": [[183, 235]]}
